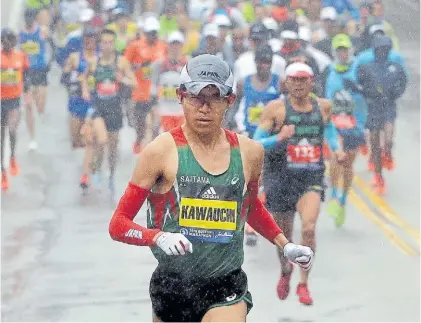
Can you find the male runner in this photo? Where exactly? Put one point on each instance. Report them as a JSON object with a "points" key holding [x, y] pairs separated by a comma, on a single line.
{"points": [[382, 83], [349, 112], [109, 71], [76, 65], [294, 168], [141, 54], [14, 70], [258, 89], [201, 184], [165, 81], [33, 41]]}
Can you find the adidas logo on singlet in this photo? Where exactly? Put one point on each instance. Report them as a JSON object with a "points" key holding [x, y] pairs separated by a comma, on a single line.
{"points": [[210, 193]]}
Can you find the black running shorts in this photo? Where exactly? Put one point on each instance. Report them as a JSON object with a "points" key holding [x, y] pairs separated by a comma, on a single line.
{"points": [[177, 298]]}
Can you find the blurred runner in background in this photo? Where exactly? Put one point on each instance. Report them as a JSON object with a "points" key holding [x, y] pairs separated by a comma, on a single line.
{"points": [[109, 70], [141, 54], [14, 80], [165, 81], [348, 115], [382, 83], [33, 40]]}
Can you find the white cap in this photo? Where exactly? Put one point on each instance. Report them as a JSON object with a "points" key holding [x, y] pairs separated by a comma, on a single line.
{"points": [[375, 28], [176, 36], [304, 33], [109, 4], [151, 24], [270, 23], [275, 44], [299, 70], [328, 13], [289, 34], [86, 15], [221, 20], [211, 30]]}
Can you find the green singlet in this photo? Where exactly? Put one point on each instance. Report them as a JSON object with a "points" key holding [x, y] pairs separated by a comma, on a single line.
{"points": [[209, 210]]}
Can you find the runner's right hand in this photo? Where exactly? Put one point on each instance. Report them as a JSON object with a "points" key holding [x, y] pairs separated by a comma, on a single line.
{"points": [[174, 244], [286, 132]]}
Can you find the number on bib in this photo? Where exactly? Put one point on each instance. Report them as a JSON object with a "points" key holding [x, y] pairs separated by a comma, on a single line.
{"points": [[303, 154], [9, 77], [254, 114]]}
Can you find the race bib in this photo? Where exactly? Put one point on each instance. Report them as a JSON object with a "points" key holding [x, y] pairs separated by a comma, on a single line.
{"points": [[303, 154], [168, 93], [9, 77], [31, 48], [208, 220], [254, 114], [147, 72], [344, 121], [107, 89], [91, 83]]}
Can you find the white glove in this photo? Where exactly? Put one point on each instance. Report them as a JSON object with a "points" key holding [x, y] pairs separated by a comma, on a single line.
{"points": [[174, 244], [300, 255]]}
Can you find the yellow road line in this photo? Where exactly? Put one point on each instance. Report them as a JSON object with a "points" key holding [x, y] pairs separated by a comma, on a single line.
{"points": [[386, 210], [392, 236]]}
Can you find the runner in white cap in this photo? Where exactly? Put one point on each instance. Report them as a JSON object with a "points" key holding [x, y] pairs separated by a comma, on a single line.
{"points": [[293, 177], [165, 81], [201, 184]]}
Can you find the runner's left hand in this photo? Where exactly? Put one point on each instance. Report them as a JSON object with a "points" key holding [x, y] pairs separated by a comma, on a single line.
{"points": [[298, 254]]}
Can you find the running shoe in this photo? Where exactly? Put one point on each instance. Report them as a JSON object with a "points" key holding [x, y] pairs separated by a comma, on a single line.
{"points": [[84, 181], [14, 167], [283, 285], [336, 211], [379, 184], [304, 294], [4, 181], [388, 162]]}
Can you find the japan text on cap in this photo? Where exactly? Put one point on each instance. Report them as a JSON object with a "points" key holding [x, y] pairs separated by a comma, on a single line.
{"points": [[299, 70], [204, 70]]}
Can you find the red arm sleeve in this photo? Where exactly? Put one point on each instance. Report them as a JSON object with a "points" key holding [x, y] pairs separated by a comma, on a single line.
{"points": [[122, 228], [259, 217]]}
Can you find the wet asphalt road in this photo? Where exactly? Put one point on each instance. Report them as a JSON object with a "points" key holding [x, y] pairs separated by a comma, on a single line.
{"points": [[59, 264]]}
